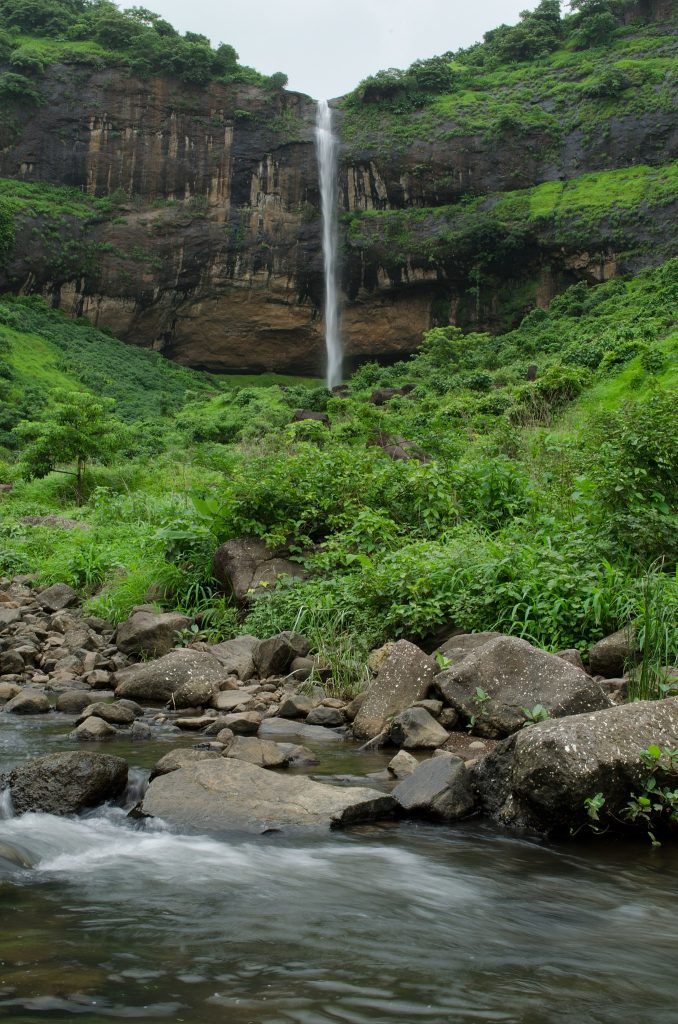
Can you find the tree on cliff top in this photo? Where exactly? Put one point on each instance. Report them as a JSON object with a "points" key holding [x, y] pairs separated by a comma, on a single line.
{"points": [[77, 428]]}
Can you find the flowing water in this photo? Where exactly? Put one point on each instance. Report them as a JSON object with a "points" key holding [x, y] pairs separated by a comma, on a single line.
{"points": [[121, 920], [326, 150]]}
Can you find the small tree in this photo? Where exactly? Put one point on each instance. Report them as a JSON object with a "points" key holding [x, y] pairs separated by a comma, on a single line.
{"points": [[77, 428]]}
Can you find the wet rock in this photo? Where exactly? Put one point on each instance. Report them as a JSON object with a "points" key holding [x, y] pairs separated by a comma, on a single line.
{"points": [[224, 735], [297, 705], [402, 765], [66, 783], [273, 656], [404, 677], [73, 702], [181, 758], [185, 677], [245, 565], [56, 597], [416, 729], [11, 663], [610, 655], [195, 723], [236, 656], [132, 706], [235, 795], [263, 753], [147, 632], [140, 731], [288, 728], [542, 776], [229, 700], [28, 702], [298, 756], [93, 729], [323, 715], [243, 723], [99, 679], [8, 690], [115, 714], [510, 675], [439, 788]]}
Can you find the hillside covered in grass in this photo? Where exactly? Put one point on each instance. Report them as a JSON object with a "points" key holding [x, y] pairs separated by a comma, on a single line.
{"points": [[537, 491]]}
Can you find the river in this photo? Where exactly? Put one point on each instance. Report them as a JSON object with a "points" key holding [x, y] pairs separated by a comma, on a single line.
{"points": [[124, 920]]}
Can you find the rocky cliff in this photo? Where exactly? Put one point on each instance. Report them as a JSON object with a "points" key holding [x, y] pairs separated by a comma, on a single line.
{"points": [[469, 210]]}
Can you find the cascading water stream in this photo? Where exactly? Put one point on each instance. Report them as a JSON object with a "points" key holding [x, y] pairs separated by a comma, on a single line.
{"points": [[326, 150]]}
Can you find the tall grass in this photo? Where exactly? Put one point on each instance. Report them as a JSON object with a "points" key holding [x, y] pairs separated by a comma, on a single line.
{"points": [[656, 634]]}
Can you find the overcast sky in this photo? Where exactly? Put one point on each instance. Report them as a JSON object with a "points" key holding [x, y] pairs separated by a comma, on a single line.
{"points": [[327, 48]]}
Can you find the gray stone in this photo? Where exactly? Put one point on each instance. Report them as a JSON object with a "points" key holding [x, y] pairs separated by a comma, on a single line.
{"points": [[297, 705], [405, 676], [235, 795], [28, 702], [99, 679], [439, 788], [229, 700], [115, 714], [56, 597], [73, 702], [8, 690], [416, 729], [182, 757], [572, 656], [140, 731], [610, 656], [434, 707], [244, 565], [11, 663], [8, 616], [263, 753], [515, 676], [148, 632], [236, 656], [459, 646], [66, 783], [184, 677], [402, 765], [243, 723], [323, 715], [542, 776], [273, 656], [289, 728]]}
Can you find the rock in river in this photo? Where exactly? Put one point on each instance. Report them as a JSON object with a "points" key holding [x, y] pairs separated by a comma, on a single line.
{"points": [[229, 794], [66, 783]]}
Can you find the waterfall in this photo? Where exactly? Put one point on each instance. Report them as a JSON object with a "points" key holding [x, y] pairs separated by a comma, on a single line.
{"points": [[326, 150]]}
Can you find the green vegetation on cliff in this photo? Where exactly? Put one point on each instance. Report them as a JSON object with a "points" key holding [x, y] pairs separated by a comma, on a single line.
{"points": [[544, 488]]}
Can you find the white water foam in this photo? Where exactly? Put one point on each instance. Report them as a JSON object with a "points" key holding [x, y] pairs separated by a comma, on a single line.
{"points": [[326, 151]]}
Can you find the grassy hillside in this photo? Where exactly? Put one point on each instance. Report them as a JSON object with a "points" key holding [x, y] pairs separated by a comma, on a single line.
{"points": [[543, 494]]}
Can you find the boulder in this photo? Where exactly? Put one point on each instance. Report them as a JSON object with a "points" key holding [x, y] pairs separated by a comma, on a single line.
{"points": [[457, 647], [11, 663], [236, 656], [28, 702], [243, 723], [402, 765], [73, 702], [610, 655], [245, 565], [183, 757], [229, 700], [494, 684], [290, 728], [309, 414], [297, 705], [115, 714], [332, 718], [273, 656], [185, 677], [8, 690], [148, 632], [542, 776], [234, 795], [263, 753], [8, 616], [416, 729], [56, 597], [405, 676], [93, 729], [572, 656], [440, 788], [66, 783]]}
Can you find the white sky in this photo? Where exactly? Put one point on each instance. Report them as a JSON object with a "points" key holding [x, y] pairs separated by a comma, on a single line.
{"points": [[325, 47]]}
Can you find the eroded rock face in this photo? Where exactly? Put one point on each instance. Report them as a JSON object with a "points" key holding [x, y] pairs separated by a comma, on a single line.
{"points": [[235, 795], [541, 777], [405, 676], [66, 783], [497, 685]]}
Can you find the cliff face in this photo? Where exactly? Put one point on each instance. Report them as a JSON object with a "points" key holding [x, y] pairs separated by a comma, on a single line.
{"points": [[209, 249]]}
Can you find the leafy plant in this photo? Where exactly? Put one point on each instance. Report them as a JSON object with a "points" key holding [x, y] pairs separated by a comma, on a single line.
{"points": [[536, 714], [655, 806]]}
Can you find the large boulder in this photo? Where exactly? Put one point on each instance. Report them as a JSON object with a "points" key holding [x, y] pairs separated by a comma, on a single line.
{"points": [[182, 757], [494, 686], [186, 678], [28, 702], [405, 676], [56, 597], [115, 714], [541, 777], [66, 783], [610, 656], [263, 753], [245, 565], [234, 795], [416, 729], [147, 632], [236, 656], [274, 656], [439, 788], [459, 646]]}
